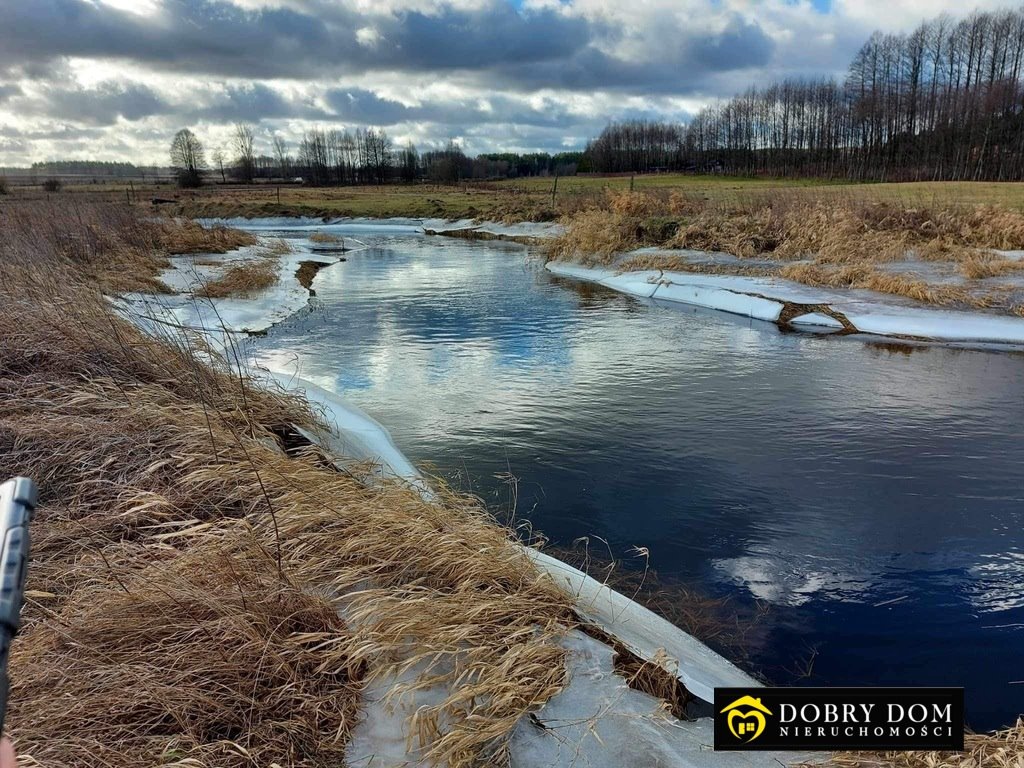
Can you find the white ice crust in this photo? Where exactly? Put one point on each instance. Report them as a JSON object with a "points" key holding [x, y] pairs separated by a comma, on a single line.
{"points": [[398, 225], [221, 316], [762, 298]]}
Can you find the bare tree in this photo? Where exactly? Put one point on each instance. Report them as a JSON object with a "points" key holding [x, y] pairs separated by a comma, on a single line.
{"points": [[218, 161], [281, 155], [245, 153], [187, 158]]}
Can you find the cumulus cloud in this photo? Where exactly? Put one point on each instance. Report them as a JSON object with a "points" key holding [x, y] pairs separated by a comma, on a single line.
{"points": [[501, 74]]}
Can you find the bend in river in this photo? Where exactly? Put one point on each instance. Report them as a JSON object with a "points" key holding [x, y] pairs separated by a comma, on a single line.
{"points": [[869, 495]]}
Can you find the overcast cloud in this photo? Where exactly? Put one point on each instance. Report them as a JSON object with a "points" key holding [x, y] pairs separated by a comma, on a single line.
{"points": [[113, 79]]}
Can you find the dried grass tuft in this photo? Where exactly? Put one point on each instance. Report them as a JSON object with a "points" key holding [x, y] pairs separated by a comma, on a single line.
{"points": [[181, 236], [1002, 749], [247, 277], [867, 277], [325, 238]]}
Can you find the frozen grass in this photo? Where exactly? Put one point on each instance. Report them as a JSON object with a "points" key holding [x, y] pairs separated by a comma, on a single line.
{"points": [[326, 238], [247, 277], [188, 571]]}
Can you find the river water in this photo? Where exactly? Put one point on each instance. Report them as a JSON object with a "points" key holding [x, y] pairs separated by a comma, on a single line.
{"points": [[863, 501]]}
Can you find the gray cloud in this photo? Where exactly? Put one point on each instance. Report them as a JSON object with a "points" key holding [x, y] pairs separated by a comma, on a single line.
{"points": [[101, 105], [358, 105], [252, 103], [7, 90], [215, 37]]}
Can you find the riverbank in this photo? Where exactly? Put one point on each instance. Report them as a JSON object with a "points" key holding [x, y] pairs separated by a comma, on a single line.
{"points": [[189, 559], [174, 489]]}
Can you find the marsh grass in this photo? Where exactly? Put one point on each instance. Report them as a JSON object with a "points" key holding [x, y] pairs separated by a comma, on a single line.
{"points": [[326, 238], [836, 243], [188, 571], [111, 246], [181, 236], [1001, 749], [245, 278]]}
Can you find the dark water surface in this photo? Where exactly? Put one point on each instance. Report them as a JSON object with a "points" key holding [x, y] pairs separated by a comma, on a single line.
{"points": [[869, 496]]}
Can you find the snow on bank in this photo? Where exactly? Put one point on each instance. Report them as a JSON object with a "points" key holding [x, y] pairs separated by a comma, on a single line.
{"points": [[765, 298], [222, 317]]}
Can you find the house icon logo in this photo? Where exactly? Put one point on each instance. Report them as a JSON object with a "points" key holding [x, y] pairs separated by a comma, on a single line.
{"points": [[746, 718]]}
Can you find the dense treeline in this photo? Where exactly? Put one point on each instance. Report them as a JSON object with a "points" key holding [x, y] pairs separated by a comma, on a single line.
{"points": [[363, 156], [943, 102], [369, 156]]}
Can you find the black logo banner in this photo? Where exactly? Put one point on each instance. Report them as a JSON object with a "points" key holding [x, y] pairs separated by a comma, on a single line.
{"points": [[839, 718]]}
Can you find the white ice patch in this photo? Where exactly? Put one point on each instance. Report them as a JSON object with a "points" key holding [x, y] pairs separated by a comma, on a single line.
{"points": [[598, 721], [353, 434], [762, 298], [643, 632], [219, 317], [816, 320]]}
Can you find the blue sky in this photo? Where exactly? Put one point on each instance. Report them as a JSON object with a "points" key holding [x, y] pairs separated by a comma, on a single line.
{"points": [[113, 79]]}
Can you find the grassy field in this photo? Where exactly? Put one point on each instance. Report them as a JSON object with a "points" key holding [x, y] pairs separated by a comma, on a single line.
{"points": [[519, 199]]}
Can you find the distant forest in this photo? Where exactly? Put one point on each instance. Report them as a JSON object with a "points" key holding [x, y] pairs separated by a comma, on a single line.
{"points": [[945, 102]]}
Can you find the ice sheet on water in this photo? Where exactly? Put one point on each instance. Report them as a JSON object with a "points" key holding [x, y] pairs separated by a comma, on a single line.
{"points": [[762, 298]]}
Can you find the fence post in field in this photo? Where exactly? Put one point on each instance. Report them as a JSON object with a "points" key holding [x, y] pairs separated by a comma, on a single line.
{"points": [[631, 178], [554, 191]]}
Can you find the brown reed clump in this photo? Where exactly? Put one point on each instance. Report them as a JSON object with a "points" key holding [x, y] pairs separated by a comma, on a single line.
{"points": [[326, 238], [835, 243], [111, 246], [1001, 749], [179, 236]]}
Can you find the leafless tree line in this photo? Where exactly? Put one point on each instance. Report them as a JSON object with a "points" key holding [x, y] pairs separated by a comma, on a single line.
{"points": [[945, 101]]}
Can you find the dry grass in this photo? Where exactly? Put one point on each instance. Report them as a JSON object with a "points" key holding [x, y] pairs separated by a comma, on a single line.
{"points": [[187, 571], [593, 237], [326, 238], [180, 236], [247, 277], [1002, 749], [111, 245], [867, 277], [984, 266], [844, 239]]}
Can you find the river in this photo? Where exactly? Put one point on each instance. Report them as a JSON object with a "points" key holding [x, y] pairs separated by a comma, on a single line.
{"points": [[863, 501]]}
